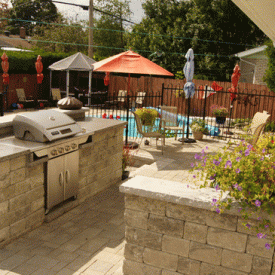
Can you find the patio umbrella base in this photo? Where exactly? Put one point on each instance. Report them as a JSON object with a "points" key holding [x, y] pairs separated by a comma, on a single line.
{"points": [[131, 145], [187, 140]]}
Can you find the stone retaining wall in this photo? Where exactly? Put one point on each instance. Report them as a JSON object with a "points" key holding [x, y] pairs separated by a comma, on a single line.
{"points": [[167, 236]]}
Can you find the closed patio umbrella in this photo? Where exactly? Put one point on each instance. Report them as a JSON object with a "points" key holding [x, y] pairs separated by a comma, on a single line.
{"points": [[189, 87]]}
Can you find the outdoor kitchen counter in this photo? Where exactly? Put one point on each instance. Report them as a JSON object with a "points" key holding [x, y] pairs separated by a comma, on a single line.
{"points": [[7, 152]]}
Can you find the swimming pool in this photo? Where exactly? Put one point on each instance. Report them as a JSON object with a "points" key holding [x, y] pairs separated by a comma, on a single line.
{"points": [[132, 129]]}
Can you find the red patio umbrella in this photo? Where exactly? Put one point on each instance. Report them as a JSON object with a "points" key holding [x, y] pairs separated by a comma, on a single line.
{"points": [[39, 69], [5, 67], [131, 63]]}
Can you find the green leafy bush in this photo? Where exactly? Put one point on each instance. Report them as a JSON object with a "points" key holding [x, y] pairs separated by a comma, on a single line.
{"points": [[147, 116], [248, 175], [198, 125]]}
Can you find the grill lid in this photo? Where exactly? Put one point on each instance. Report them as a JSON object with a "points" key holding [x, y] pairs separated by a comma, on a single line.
{"points": [[44, 125]]}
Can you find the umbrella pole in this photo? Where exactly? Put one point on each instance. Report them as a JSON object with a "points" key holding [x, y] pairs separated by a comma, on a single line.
{"points": [[187, 139]]}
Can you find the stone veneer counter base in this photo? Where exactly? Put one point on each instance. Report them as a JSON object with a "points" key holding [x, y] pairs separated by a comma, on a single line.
{"points": [[171, 230]]}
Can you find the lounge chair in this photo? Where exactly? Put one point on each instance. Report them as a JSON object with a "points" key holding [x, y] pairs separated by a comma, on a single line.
{"points": [[153, 133], [169, 121], [255, 129], [26, 102], [120, 101], [139, 99]]}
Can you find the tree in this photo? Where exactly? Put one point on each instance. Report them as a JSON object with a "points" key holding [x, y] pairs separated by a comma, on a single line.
{"points": [[213, 28], [109, 30], [269, 77], [63, 36], [4, 12], [31, 10]]}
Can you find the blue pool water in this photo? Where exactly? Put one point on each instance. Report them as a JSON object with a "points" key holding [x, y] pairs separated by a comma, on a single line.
{"points": [[132, 132]]}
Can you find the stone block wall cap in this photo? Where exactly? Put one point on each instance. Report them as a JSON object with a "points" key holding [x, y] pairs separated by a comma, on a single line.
{"points": [[170, 191]]}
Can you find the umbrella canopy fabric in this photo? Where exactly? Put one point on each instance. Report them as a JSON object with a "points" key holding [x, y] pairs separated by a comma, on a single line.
{"points": [[234, 80], [75, 62], [39, 69], [188, 70], [5, 67], [131, 63]]}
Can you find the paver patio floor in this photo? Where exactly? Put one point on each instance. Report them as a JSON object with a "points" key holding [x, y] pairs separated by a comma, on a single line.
{"points": [[89, 239]]}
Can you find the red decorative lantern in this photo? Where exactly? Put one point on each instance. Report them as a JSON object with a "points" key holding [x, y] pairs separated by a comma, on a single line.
{"points": [[5, 67], [107, 79], [39, 69], [234, 80]]}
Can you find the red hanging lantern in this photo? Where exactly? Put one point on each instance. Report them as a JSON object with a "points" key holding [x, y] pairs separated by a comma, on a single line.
{"points": [[39, 69], [234, 80], [107, 79], [5, 67]]}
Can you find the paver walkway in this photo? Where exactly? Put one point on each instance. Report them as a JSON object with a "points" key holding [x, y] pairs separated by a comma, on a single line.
{"points": [[89, 239], [86, 240]]}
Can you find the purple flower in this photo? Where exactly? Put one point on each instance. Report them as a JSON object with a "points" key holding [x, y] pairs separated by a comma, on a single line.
{"points": [[236, 185], [217, 187], [248, 225], [258, 203], [258, 218], [228, 164], [249, 146], [261, 236], [239, 188], [192, 164], [213, 177], [187, 186], [194, 176], [238, 171], [247, 152], [262, 158], [206, 147], [241, 152], [197, 156], [238, 159], [214, 200], [202, 151], [266, 226], [216, 162], [240, 209], [218, 210], [267, 246], [263, 151]]}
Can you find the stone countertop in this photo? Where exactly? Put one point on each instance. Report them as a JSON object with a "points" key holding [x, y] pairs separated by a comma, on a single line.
{"points": [[12, 147], [7, 152]]}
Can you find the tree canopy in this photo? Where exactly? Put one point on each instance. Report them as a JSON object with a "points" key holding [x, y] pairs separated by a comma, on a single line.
{"points": [[215, 29], [269, 77], [31, 10]]}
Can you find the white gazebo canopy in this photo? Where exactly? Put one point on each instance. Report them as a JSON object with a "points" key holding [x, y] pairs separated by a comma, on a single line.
{"points": [[75, 62]]}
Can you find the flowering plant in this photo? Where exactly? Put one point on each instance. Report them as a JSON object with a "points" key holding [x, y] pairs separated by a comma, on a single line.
{"points": [[247, 174], [127, 158], [147, 116], [198, 125], [219, 111]]}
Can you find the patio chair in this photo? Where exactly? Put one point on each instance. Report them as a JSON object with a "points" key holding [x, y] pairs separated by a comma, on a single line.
{"points": [[26, 102], [255, 129], [139, 99], [120, 101], [169, 121], [154, 132]]}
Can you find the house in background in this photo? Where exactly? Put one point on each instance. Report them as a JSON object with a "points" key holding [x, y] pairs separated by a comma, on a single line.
{"points": [[253, 64], [15, 41]]}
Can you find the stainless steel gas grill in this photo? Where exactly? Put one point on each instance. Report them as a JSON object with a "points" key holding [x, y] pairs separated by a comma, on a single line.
{"points": [[61, 137], [43, 126]]}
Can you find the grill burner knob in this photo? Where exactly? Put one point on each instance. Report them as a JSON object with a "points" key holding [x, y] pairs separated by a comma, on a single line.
{"points": [[67, 148], [74, 146], [61, 150], [54, 152]]}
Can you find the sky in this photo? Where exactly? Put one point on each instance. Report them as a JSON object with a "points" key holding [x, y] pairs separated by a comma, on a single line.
{"points": [[76, 13]]}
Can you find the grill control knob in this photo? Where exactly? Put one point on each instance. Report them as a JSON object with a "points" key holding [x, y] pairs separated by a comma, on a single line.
{"points": [[74, 146], [67, 148], [61, 150], [54, 152]]}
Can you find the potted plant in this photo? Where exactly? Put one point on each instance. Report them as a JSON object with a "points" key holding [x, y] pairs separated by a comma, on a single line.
{"points": [[247, 174], [198, 128], [220, 112], [127, 160], [147, 116]]}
